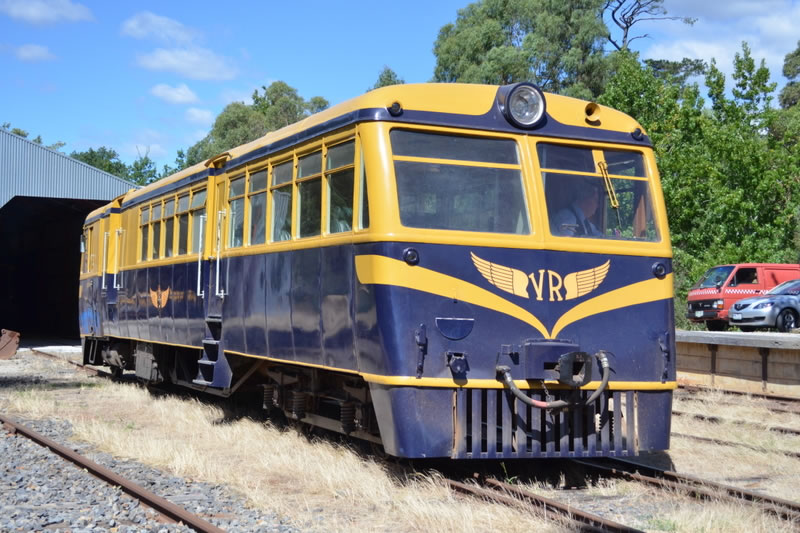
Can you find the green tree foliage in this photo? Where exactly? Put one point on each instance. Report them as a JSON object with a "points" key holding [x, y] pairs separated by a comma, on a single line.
{"points": [[790, 94], [105, 159], [556, 43], [732, 189], [279, 105], [237, 124], [387, 77]]}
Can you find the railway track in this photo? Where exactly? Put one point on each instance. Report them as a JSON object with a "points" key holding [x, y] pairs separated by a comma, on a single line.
{"points": [[692, 485], [167, 509], [507, 494]]}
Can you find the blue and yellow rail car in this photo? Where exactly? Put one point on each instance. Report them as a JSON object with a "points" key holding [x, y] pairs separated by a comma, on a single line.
{"points": [[449, 270]]}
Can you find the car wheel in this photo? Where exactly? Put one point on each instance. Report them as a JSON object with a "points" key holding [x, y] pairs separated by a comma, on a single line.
{"points": [[786, 321], [716, 325]]}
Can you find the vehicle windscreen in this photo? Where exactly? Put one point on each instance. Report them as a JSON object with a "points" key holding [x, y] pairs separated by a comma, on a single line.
{"points": [[713, 276], [461, 183], [597, 193], [791, 287]]}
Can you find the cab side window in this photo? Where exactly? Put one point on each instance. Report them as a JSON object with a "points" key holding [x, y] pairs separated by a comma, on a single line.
{"points": [[746, 276]]}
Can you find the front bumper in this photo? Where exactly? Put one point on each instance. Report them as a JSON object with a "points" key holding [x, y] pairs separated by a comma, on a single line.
{"points": [[754, 317]]}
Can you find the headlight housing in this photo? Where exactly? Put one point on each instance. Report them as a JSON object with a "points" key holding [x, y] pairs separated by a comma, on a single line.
{"points": [[522, 104], [764, 305], [719, 304]]}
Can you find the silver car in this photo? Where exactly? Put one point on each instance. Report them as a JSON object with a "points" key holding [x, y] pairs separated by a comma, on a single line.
{"points": [[779, 308]]}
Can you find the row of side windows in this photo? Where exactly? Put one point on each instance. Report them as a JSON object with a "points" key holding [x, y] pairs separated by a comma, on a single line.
{"points": [[176, 220], [304, 176], [172, 225]]}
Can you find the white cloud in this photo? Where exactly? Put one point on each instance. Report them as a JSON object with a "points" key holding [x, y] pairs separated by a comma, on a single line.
{"points": [[194, 63], [149, 25], [45, 11], [203, 117], [724, 11], [181, 94], [33, 53]]}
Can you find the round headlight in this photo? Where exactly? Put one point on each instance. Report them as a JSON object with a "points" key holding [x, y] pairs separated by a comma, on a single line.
{"points": [[525, 106]]}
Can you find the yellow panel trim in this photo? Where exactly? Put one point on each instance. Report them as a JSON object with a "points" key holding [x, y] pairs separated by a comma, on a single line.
{"points": [[643, 292], [291, 362], [455, 162], [380, 270], [412, 381]]}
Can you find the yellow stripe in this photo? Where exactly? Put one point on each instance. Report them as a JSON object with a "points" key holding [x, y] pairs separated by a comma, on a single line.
{"points": [[298, 363], [411, 381], [380, 270], [638, 293]]}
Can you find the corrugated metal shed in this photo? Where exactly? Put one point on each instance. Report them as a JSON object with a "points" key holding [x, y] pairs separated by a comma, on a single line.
{"points": [[29, 169]]}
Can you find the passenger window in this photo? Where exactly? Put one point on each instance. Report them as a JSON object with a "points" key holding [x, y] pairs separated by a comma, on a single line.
{"points": [[144, 231], [156, 223], [236, 205], [258, 207], [197, 211], [339, 175], [183, 224], [282, 202], [309, 191], [169, 227]]}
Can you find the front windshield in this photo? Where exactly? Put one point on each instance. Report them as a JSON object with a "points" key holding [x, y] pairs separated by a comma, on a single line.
{"points": [[452, 182], [597, 193], [791, 287], [713, 276]]}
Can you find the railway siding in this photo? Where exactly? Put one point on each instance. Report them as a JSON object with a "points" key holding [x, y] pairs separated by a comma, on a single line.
{"points": [[757, 363]]}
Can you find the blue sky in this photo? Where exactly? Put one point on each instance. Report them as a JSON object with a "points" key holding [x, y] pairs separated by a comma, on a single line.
{"points": [[150, 77]]}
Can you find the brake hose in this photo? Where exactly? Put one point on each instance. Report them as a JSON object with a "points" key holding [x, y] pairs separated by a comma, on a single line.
{"points": [[558, 404]]}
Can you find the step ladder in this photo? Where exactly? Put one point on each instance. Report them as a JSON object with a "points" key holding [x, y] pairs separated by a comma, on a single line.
{"points": [[213, 369]]}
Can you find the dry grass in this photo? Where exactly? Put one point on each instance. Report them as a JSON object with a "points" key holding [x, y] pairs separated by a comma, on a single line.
{"points": [[302, 480], [279, 471]]}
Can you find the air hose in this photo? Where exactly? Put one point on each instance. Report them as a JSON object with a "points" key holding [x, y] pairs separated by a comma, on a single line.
{"points": [[558, 404]]}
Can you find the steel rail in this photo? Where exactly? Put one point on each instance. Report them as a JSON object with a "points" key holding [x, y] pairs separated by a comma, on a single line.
{"points": [[87, 369], [162, 505], [515, 497], [695, 486]]}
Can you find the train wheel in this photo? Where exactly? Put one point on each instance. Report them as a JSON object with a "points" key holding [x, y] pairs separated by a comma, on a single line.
{"points": [[786, 321]]}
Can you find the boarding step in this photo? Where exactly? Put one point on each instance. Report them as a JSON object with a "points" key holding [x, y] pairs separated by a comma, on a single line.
{"points": [[214, 326]]}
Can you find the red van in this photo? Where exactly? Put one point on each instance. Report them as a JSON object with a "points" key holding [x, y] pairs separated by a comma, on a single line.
{"points": [[721, 286]]}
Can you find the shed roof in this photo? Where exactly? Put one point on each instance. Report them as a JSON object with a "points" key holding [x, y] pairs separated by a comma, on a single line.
{"points": [[30, 169]]}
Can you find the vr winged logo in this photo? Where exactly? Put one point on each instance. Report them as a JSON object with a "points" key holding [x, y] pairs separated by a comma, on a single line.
{"points": [[159, 297], [514, 281]]}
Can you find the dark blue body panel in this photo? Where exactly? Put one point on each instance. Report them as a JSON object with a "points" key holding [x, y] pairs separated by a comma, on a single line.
{"points": [[308, 306]]}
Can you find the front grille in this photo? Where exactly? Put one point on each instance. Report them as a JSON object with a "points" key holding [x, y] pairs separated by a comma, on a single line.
{"points": [[739, 307], [494, 424], [701, 305]]}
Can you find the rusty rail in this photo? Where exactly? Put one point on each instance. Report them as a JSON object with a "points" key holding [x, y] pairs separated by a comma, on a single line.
{"points": [[162, 505], [695, 486], [516, 496]]}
